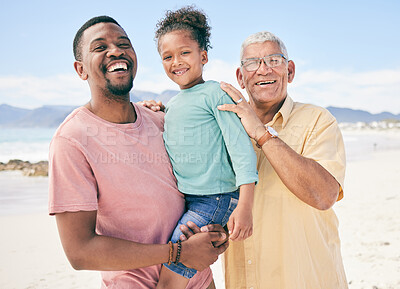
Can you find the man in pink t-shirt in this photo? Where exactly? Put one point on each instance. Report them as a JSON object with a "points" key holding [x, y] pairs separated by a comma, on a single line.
{"points": [[112, 188]]}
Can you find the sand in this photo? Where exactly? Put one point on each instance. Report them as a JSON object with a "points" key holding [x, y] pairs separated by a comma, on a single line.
{"points": [[369, 218], [31, 255]]}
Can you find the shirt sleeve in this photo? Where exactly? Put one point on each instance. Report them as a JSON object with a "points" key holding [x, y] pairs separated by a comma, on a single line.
{"points": [[72, 185], [325, 145], [238, 144]]}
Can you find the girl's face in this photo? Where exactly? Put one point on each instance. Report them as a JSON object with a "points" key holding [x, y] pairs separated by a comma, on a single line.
{"points": [[182, 58]]}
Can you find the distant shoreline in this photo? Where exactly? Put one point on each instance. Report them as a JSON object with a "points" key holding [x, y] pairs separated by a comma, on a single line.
{"points": [[359, 140]]}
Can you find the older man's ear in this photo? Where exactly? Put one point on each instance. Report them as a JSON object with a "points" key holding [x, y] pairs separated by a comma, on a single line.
{"points": [[239, 77], [291, 71]]}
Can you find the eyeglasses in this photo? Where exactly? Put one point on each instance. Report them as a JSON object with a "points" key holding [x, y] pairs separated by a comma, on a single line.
{"points": [[273, 60]]}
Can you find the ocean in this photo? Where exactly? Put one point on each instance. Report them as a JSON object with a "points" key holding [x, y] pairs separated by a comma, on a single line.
{"points": [[19, 194], [33, 144], [360, 144], [27, 144]]}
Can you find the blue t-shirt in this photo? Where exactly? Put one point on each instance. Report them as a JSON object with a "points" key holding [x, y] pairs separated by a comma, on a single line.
{"points": [[209, 149]]}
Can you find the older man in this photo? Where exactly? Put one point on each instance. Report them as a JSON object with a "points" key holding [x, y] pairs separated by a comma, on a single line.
{"points": [[301, 163], [111, 183]]}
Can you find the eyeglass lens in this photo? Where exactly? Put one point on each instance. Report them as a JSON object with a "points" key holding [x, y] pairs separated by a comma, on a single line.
{"points": [[270, 61]]}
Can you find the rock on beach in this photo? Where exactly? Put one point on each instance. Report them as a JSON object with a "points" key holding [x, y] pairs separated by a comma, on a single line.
{"points": [[27, 168]]}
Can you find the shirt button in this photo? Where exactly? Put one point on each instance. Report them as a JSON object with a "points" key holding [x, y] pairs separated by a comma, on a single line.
{"points": [[249, 264], [217, 198]]}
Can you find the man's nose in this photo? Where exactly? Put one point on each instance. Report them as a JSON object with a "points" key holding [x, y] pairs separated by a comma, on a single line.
{"points": [[115, 51], [263, 68]]}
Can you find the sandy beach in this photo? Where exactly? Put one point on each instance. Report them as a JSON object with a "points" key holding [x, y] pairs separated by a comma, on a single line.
{"points": [[369, 216]]}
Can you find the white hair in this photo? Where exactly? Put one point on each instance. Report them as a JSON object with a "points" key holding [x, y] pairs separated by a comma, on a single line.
{"points": [[261, 37]]}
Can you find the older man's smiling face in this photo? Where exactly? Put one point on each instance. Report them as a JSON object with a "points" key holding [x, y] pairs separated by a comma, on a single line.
{"points": [[265, 86]]}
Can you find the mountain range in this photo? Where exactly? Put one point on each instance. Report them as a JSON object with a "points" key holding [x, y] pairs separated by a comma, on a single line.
{"points": [[53, 115]]}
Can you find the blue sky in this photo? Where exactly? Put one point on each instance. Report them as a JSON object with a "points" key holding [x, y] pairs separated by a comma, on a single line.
{"points": [[346, 52]]}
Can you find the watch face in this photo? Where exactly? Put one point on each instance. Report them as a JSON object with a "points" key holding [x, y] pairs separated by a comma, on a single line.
{"points": [[272, 131]]}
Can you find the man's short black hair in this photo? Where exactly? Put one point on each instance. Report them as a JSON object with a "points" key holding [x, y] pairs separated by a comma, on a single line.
{"points": [[89, 23]]}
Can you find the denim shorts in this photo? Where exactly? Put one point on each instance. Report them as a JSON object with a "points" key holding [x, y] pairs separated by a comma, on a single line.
{"points": [[203, 210]]}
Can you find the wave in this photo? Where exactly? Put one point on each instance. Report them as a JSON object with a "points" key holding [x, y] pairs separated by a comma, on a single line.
{"points": [[25, 144]]}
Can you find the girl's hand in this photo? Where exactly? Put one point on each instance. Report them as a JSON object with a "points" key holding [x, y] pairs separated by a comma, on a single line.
{"points": [[240, 224]]}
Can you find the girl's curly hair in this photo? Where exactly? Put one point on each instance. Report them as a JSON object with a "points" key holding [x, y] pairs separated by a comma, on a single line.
{"points": [[186, 18]]}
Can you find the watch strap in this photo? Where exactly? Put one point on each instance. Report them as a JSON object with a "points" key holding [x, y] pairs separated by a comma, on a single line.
{"points": [[264, 138]]}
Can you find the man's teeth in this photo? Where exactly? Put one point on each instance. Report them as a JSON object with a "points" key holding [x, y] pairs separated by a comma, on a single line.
{"points": [[118, 66], [265, 82]]}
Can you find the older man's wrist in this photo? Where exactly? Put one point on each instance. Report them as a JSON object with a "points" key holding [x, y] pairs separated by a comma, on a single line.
{"points": [[260, 131], [269, 134]]}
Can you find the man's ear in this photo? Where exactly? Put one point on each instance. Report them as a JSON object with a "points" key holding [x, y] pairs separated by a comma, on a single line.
{"points": [[78, 65], [291, 71], [204, 57], [239, 77]]}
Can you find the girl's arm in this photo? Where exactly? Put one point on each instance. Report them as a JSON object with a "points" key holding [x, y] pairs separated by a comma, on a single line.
{"points": [[240, 223]]}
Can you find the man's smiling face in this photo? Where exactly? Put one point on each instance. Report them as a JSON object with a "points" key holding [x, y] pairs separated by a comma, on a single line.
{"points": [[265, 85], [108, 60]]}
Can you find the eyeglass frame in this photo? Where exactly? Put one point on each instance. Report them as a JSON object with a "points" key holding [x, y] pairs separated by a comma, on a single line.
{"points": [[263, 59]]}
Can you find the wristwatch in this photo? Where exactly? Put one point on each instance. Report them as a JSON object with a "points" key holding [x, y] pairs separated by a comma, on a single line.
{"points": [[269, 133]]}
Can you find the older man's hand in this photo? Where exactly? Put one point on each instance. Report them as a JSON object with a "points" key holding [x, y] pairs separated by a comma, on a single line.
{"points": [[251, 123]]}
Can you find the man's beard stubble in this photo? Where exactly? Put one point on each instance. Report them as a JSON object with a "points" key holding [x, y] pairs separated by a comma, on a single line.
{"points": [[119, 92]]}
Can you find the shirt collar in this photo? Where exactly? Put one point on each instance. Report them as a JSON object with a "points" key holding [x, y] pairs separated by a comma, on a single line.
{"points": [[283, 112]]}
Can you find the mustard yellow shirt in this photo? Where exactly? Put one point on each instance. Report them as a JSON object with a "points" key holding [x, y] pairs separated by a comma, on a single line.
{"points": [[293, 246]]}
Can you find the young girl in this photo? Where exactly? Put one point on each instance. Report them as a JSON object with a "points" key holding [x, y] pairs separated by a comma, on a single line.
{"points": [[210, 151]]}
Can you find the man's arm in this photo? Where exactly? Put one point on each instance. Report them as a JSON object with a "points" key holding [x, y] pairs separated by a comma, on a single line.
{"points": [[304, 177], [87, 250]]}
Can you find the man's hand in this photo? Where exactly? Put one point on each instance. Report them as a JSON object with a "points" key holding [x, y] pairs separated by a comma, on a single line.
{"points": [[191, 229], [152, 104], [199, 252], [251, 123]]}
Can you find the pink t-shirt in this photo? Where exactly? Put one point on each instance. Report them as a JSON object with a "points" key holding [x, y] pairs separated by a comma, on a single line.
{"points": [[123, 172]]}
